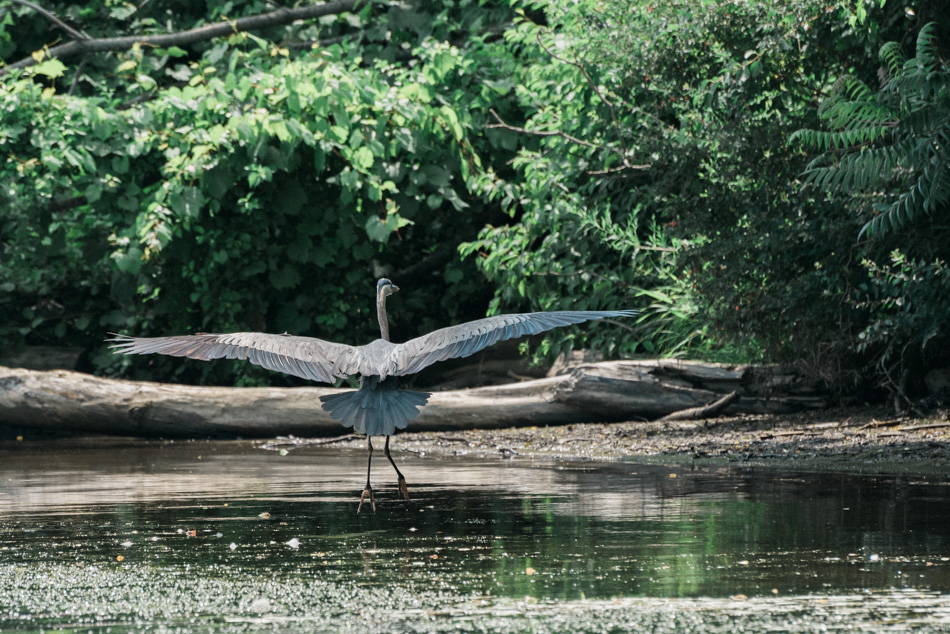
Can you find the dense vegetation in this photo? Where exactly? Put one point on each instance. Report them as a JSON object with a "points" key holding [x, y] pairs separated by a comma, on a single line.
{"points": [[767, 180]]}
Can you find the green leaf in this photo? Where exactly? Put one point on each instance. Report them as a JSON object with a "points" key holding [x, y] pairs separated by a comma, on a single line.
{"points": [[129, 261], [339, 133], [377, 229], [172, 51], [349, 179], [363, 158], [51, 68], [93, 192], [452, 120], [187, 202], [120, 165], [286, 277]]}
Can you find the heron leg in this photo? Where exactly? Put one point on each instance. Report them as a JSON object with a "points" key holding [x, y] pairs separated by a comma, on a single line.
{"points": [[368, 491], [402, 480]]}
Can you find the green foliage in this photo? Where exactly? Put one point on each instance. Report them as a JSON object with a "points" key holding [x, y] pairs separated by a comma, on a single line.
{"points": [[895, 140], [654, 162], [233, 186], [581, 155], [667, 122], [884, 167], [907, 300]]}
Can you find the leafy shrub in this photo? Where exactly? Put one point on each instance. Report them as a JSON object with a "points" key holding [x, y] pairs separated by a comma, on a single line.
{"points": [[896, 139], [885, 161], [235, 187]]}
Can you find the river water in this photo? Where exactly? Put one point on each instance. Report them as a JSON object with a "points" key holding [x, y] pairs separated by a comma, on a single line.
{"points": [[102, 535]]}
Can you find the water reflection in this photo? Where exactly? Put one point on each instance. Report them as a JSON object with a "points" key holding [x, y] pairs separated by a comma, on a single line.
{"points": [[502, 527]]}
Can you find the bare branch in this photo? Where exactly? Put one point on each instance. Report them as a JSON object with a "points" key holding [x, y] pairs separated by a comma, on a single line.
{"points": [[502, 124], [623, 168], [78, 74], [704, 411], [52, 18], [590, 81], [564, 135], [610, 105], [201, 34]]}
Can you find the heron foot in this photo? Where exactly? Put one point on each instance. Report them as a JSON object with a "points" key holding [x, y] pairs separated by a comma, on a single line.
{"points": [[367, 493], [403, 488]]}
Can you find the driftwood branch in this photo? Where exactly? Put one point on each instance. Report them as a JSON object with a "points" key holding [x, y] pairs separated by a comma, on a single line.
{"points": [[200, 34], [596, 392], [706, 411]]}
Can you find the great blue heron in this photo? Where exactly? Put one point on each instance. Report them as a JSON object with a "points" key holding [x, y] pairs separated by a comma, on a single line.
{"points": [[379, 407]]}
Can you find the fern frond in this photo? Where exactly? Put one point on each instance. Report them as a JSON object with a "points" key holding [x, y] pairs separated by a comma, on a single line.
{"points": [[896, 140], [930, 192], [927, 53], [871, 113], [893, 58]]}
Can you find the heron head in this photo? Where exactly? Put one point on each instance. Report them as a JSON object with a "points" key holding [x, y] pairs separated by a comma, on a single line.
{"points": [[385, 288]]}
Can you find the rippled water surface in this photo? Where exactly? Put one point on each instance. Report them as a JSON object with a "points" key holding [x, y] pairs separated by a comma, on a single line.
{"points": [[226, 536]]}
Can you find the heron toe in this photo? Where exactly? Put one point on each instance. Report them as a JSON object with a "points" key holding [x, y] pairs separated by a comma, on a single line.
{"points": [[367, 493], [403, 488]]}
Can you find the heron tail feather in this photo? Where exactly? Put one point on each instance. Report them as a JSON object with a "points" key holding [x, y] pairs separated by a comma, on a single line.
{"points": [[375, 412]]}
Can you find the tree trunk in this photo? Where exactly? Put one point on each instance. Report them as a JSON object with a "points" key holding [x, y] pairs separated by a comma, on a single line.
{"points": [[610, 391]]}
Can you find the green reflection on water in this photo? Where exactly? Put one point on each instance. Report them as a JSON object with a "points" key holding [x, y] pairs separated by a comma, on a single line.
{"points": [[229, 518]]}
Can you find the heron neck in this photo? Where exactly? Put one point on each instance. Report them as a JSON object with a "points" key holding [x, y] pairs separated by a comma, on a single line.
{"points": [[381, 315]]}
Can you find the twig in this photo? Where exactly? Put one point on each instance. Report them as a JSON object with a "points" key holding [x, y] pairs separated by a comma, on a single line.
{"points": [[590, 81], [781, 434], [927, 426], [200, 34], [610, 105], [520, 377], [292, 441], [77, 75], [453, 439], [705, 411], [614, 170], [898, 389], [79, 35], [332, 441], [572, 139], [880, 423]]}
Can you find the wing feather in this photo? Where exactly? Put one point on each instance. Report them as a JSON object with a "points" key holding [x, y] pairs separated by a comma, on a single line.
{"points": [[325, 361], [468, 338], [305, 357]]}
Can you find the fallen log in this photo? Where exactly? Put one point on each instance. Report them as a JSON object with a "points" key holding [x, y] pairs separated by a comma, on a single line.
{"points": [[610, 391]]}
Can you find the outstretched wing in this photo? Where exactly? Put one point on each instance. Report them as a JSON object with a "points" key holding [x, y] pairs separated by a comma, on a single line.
{"points": [[308, 358], [467, 339]]}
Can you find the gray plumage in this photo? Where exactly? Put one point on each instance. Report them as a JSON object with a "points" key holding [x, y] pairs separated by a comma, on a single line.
{"points": [[378, 407], [325, 361]]}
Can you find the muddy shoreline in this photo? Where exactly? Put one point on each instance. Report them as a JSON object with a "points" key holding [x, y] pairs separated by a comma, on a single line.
{"points": [[839, 438], [835, 438]]}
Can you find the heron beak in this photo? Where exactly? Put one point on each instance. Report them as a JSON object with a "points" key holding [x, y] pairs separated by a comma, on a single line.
{"points": [[394, 287]]}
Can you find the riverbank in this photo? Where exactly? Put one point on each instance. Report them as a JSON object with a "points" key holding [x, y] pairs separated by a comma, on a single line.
{"points": [[843, 438]]}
